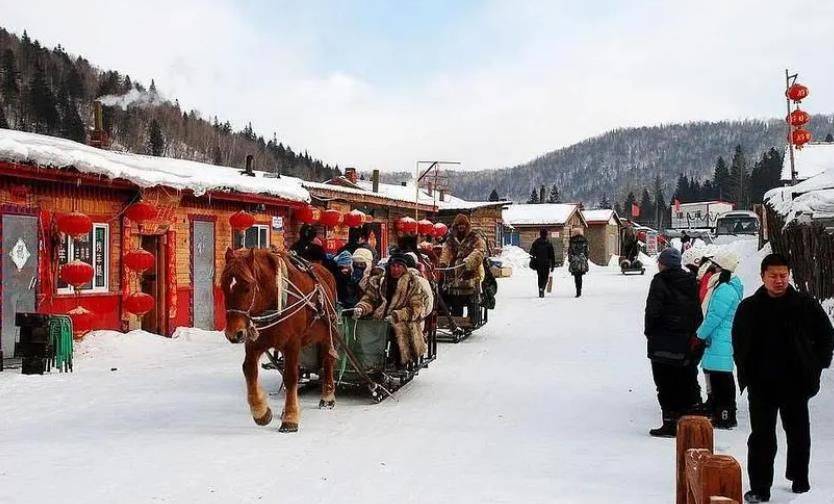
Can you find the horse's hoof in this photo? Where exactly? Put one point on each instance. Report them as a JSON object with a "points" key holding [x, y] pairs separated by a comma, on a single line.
{"points": [[265, 419], [288, 427], [327, 404]]}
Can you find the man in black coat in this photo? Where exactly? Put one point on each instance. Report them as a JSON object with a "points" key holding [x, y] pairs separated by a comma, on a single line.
{"points": [[673, 314], [542, 259], [782, 340]]}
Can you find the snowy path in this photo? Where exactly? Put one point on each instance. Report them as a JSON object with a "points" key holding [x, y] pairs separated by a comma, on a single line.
{"points": [[550, 402]]}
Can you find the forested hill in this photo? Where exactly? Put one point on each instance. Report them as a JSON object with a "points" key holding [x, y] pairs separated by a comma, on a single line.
{"points": [[50, 91], [615, 163]]}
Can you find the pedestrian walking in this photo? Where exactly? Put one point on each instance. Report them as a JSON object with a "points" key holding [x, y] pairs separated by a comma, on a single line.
{"points": [[716, 332], [542, 259], [578, 259], [672, 316], [782, 340]]}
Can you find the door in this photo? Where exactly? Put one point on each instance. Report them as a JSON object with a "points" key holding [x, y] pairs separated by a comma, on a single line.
{"points": [[152, 282], [202, 266], [20, 273]]}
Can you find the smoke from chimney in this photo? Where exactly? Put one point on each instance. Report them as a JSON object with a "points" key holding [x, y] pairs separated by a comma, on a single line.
{"points": [[133, 98]]}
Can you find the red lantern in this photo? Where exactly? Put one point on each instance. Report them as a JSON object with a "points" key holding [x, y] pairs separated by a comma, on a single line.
{"points": [[308, 214], [425, 227], [241, 220], [354, 218], [407, 225], [82, 321], [139, 260], [77, 273], [800, 137], [139, 303], [440, 230], [141, 212], [331, 218], [797, 92], [75, 224], [798, 118]]}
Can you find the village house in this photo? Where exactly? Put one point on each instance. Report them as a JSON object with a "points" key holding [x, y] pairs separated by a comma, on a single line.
{"points": [[522, 224], [604, 234]]}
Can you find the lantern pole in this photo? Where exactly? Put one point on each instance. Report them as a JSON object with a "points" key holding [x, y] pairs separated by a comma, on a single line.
{"points": [[433, 165], [790, 79]]}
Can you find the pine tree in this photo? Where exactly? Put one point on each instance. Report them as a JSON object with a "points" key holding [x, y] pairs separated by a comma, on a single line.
{"points": [[604, 203], [619, 209], [8, 86], [156, 142], [647, 208], [493, 196], [739, 179], [72, 127], [829, 138], [534, 196], [542, 197], [3, 123], [765, 175], [152, 89], [661, 211], [721, 180], [41, 103], [682, 189], [217, 156], [75, 84], [627, 205], [554, 195]]}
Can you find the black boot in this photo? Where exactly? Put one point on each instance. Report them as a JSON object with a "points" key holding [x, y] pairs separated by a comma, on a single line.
{"points": [[669, 429], [541, 293], [800, 485], [753, 497]]}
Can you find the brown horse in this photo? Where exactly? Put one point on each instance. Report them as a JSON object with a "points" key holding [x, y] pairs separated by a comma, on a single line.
{"points": [[271, 303]]}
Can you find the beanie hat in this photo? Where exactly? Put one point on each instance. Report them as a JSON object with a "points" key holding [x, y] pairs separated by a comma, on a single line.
{"points": [[412, 259], [670, 257], [363, 255], [398, 257], [344, 259], [726, 260]]}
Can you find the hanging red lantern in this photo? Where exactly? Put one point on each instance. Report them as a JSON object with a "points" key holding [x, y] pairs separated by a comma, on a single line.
{"points": [[407, 225], [75, 224], [797, 92], [440, 230], [331, 218], [425, 227], [77, 273], [141, 212], [139, 303], [241, 220], [799, 118], [800, 137], [308, 214], [354, 218], [82, 321], [139, 260]]}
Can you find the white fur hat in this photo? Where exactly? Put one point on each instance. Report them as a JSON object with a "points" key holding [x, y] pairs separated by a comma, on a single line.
{"points": [[692, 256], [726, 260]]}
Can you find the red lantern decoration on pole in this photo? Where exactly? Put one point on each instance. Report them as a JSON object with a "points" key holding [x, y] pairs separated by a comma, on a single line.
{"points": [[139, 303], [75, 224], [798, 118], [77, 273], [800, 137], [354, 218], [331, 218], [241, 220], [82, 321], [308, 214], [141, 212], [425, 227], [796, 92], [407, 225], [440, 230], [139, 260]]}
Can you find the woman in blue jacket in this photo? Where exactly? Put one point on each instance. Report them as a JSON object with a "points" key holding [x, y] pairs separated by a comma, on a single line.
{"points": [[716, 332]]}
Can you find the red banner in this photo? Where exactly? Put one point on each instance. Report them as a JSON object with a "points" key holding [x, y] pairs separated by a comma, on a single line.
{"points": [[635, 210]]}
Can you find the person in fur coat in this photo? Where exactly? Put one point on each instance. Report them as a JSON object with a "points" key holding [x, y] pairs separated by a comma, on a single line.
{"points": [[399, 298], [464, 250]]}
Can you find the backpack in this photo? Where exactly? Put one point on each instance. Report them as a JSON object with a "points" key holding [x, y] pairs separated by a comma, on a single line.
{"points": [[489, 287]]}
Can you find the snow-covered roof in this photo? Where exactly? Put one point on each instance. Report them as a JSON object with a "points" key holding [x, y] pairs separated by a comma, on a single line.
{"points": [[452, 203], [811, 160], [398, 191], [144, 171], [598, 216], [539, 214], [813, 197]]}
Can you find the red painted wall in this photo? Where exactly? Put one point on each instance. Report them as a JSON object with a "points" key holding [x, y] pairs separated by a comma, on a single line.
{"points": [[105, 306]]}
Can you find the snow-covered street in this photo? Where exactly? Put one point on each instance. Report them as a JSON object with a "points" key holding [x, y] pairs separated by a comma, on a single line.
{"points": [[550, 402]]}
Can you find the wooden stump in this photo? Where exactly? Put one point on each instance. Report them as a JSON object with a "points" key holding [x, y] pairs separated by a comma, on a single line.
{"points": [[693, 432], [709, 476]]}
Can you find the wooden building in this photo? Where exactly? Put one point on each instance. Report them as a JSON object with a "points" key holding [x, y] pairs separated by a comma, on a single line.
{"points": [[42, 178], [486, 217], [522, 223], [603, 235]]}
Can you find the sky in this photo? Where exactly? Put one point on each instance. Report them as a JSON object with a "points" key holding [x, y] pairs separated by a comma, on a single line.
{"points": [[489, 84]]}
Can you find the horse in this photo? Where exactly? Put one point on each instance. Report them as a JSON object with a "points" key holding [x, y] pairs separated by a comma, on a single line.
{"points": [[277, 301]]}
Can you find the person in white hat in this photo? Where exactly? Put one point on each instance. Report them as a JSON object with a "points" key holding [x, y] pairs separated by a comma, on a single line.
{"points": [[716, 332]]}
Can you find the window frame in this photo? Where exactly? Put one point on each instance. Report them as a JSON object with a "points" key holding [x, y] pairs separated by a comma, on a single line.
{"points": [[260, 228], [71, 257]]}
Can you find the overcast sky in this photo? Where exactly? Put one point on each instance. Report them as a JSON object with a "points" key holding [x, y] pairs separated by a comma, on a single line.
{"points": [[382, 84]]}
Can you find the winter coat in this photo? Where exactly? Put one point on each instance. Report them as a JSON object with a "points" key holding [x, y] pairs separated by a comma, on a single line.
{"points": [[578, 255], [672, 316], [542, 255], [406, 308], [781, 345], [469, 254], [347, 289], [717, 328]]}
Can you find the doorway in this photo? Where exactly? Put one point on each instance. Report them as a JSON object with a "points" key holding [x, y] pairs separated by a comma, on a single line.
{"points": [[153, 282], [20, 274]]}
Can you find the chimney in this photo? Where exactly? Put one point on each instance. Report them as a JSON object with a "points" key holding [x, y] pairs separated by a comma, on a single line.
{"points": [[249, 170], [350, 174], [404, 183], [375, 180], [98, 116], [98, 137], [442, 195]]}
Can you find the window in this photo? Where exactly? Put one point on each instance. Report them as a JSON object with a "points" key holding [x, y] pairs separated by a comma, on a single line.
{"points": [[93, 249], [680, 215], [697, 214], [256, 236]]}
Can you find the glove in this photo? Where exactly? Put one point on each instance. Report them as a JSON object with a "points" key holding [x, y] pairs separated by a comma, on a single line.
{"points": [[695, 344], [357, 313]]}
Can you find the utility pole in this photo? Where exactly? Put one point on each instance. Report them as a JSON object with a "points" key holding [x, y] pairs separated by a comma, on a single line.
{"points": [[790, 79], [434, 166]]}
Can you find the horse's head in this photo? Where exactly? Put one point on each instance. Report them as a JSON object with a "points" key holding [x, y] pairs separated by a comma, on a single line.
{"points": [[247, 283]]}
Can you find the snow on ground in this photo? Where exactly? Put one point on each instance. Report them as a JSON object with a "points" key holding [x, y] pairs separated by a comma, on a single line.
{"points": [[550, 402]]}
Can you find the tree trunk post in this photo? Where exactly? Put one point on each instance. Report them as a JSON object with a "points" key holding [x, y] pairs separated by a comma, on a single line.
{"points": [[693, 432]]}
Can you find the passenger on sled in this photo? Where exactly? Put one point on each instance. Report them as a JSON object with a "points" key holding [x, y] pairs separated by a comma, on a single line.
{"points": [[398, 297], [462, 259]]}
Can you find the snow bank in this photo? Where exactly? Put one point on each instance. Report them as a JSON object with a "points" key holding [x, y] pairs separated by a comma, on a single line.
{"points": [[814, 196], [515, 257], [144, 171]]}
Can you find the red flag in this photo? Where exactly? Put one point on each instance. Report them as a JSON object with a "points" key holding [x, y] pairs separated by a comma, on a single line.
{"points": [[677, 205], [635, 210]]}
